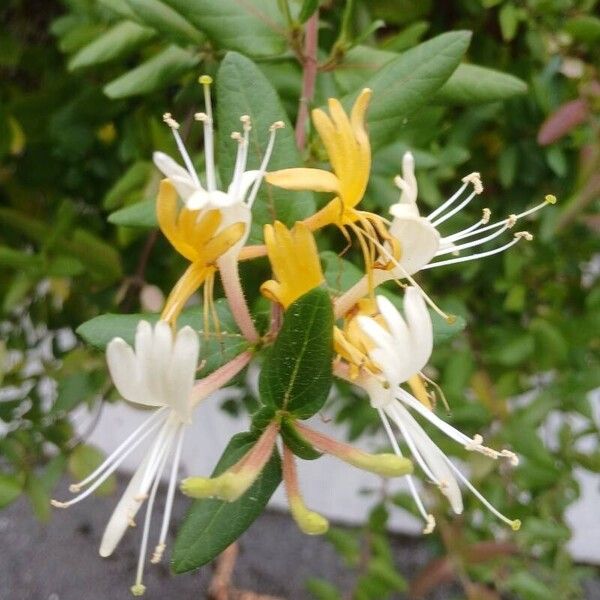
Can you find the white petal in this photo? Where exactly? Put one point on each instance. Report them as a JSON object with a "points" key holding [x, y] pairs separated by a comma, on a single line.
{"points": [[144, 352], [122, 366], [247, 179], [197, 200], [434, 458], [158, 367], [182, 370], [180, 178], [420, 326], [218, 199], [419, 242], [398, 328]]}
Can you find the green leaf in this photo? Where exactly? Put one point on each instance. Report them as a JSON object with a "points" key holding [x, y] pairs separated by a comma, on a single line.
{"points": [[243, 89], [322, 590], [296, 442], [211, 525], [254, 28], [296, 375], [156, 73], [585, 28], [166, 20], [85, 459], [129, 185], [307, 10], [472, 84], [216, 348], [140, 214], [116, 43], [38, 497], [408, 82], [410, 36], [509, 17], [10, 489], [72, 390]]}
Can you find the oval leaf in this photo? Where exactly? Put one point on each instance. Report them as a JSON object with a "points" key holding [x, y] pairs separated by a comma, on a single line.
{"points": [[297, 373], [211, 525]]}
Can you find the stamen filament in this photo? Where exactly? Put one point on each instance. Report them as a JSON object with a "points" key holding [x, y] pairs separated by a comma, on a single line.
{"points": [[452, 212], [476, 242], [440, 209], [209, 155], [174, 126], [265, 161]]}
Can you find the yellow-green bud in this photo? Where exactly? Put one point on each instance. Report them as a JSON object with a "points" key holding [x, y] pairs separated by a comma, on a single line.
{"points": [[387, 465]]}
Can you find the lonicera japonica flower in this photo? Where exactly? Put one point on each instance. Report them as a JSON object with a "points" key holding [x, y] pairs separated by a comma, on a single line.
{"points": [[399, 347], [158, 373]]}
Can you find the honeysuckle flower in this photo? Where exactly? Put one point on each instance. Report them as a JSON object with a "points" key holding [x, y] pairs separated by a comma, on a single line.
{"points": [[419, 242], [158, 373], [295, 262], [399, 347], [347, 144], [234, 205], [199, 237]]}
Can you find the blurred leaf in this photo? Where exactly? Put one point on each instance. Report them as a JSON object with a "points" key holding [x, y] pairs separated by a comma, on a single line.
{"points": [[211, 525], [156, 73], [410, 36], [563, 120], [242, 89], [346, 544], [85, 459], [140, 214], [296, 375], [254, 28], [528, 587], [116, 43], [408, 82], [131, 182], [10, 489], [72, 390], [38, 497], [307, 9], [472, 84], [509, 17], [322, 590], [584, 28], [166, 20]]}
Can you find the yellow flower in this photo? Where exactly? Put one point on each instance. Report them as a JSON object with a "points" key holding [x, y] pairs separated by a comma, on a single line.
{"points": [[195, 235], [294, 260], [347, 145]]}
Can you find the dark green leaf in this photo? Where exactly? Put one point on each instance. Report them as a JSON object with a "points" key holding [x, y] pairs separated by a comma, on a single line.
{"points": [[10, 489], [408, 82], [140, 214], [296, 442], [322, 590], [243, 89], [472, 84], [584, 28], [254, 28], [116, 43], [307, 10], [296, 375], [129, 185], [156, 73], [211, 525]]}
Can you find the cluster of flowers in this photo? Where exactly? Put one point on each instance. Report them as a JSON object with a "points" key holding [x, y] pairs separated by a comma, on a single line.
{"points": [[377, 347]]}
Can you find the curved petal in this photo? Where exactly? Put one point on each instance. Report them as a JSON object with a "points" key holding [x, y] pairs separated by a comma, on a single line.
{"points": [[181, 371], [180, 178], [420, 326], [419, 241], [197, 200], [315, 180]]}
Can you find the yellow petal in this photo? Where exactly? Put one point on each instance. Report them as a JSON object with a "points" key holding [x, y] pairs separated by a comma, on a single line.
{"points": [[188, 283], [222, 242], [315, 180], [418, 389], [166, 212]]}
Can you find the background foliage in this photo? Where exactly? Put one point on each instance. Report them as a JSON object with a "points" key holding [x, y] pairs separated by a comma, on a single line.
{"points": [[83, 86]]}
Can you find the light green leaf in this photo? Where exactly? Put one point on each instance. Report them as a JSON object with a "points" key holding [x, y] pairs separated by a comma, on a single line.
{"points": [[211, 525], [307, 9], [472, 84], [166, 20], [161, 70], [119, 41], [216, 348], [10, 489], [584, 28], [296, 375], [140, 214], [322, 590], [72, 390], [408, 82], [129, 185], [509, 21], [243, 89], [254, 28], [85, 459]]}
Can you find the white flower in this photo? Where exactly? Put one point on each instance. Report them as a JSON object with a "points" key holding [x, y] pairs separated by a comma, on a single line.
{"points": [[159, 373], [236, 203], [419, 238], [400, 350]]}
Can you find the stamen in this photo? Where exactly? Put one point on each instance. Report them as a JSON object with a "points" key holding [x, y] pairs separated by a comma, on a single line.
{"points": [[518, 236], [265, 161], [209, 153], [475, 179], [452, 212], [428, 518], [509, 223], [515, 524], [440, 209], [174, 125], [160, 547]]}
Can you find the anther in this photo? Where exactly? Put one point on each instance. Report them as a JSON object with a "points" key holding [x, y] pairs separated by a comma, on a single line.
{"points": [[205, 79], [138, 589], [140, 497], [429, 525], [58, 504], [246, 122], [74, 488], [487, 213], [170, 121], [277, 125], [515, 525], [524, 234], [512, 457], [236, 135], [475, 180], [511, 220], [550, 199], [201, 116], [158, 554]]}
